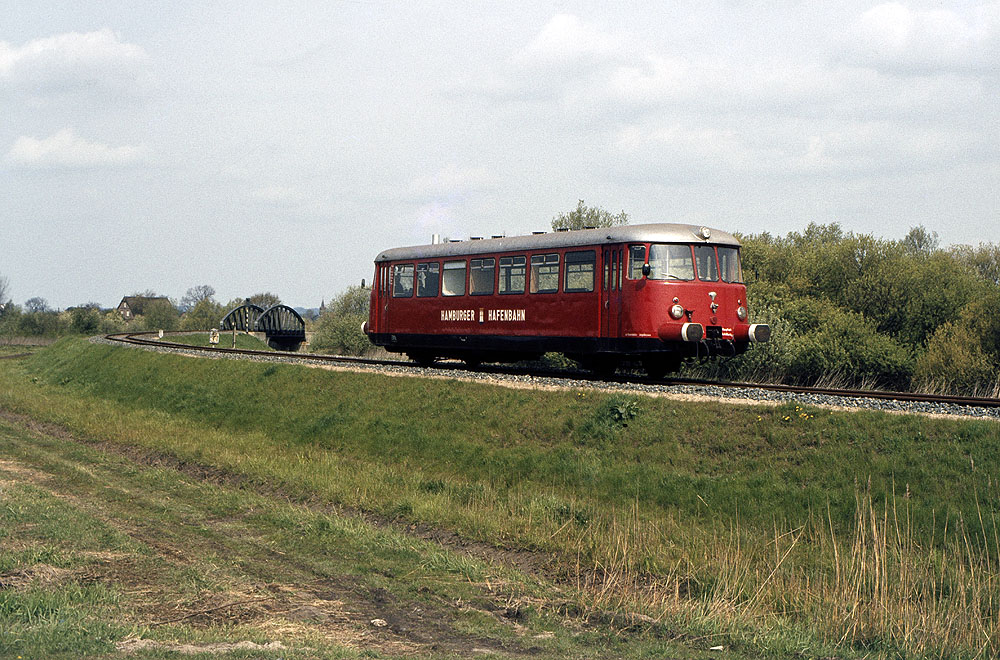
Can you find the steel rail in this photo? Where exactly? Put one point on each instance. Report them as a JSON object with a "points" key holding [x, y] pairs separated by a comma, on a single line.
{"points": [[983, 402]]}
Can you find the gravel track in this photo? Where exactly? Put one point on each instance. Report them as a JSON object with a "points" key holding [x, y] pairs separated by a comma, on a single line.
{"points": [[496, 375]]}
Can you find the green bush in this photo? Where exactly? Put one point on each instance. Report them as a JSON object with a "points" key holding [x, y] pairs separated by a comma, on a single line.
{"points": [[338, 330], [85, 320], [111, 323], [834, 343], [813, 340], [954, 362], [205, 315], [341, 335], [156, 315]]}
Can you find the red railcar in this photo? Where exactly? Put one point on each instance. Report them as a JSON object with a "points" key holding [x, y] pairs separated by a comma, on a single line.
{"points": [[657, 293]]}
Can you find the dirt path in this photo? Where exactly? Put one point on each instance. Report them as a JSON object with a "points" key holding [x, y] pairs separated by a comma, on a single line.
{"points": [[253, 582]]}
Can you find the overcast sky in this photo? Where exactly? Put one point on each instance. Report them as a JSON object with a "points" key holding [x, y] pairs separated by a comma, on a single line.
{"points": [[280, 146]]}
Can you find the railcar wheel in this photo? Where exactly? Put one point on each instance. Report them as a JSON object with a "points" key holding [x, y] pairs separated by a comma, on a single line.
{"points": [[657, 366], [423, 359], [602, 366], [472, 361]]}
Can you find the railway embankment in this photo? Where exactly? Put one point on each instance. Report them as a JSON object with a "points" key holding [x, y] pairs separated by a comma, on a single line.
{"points": [[614, 521]]}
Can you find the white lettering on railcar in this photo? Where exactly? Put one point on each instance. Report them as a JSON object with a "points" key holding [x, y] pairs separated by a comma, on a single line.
{"points": [[505, 315], [458, 315], [489, 315]]}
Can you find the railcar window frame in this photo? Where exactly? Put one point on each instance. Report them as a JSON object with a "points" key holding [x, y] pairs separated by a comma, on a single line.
{"points": [[542, 266], [401, 274], [635, 261], [482, 276], [724, 271], [424, 287], [508, 275], [579, 265], [447, 288], [709, 266]]}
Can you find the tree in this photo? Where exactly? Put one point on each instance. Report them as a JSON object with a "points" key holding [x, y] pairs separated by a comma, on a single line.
{"points": [[36, 304], [86, 319], [354, 301], [195, 295], [264, 300], [338, 330], [159, 315], [4, 286], [205, 314], [584, 216], [920, 241]]}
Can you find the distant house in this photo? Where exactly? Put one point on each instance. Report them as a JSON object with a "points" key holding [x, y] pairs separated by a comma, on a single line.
{"points": [[132, 306]]}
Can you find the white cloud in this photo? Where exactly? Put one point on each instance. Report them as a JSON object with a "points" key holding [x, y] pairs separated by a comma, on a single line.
{"points": [[450, 181], [567, 39], [73, 61], [277, 194], [65, 149], [653, 80], [894, 37]]}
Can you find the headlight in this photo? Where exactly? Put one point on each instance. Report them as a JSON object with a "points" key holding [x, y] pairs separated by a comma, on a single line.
{"points": [[677, 311], [741, 313]]}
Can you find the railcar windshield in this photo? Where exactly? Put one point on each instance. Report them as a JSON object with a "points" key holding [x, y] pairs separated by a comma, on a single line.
{"points": [[670, 262], [704, 257], [729, 264]]}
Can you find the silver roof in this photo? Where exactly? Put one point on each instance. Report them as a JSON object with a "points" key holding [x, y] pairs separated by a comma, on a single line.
{"points": [[653, 233]]}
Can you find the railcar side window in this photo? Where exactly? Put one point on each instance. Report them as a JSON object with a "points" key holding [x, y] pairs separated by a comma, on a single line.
{"points": [[580, 271], [636, 259], [544, 273], [428, 276], [670, 262], [453, 280], [704, 257], [729, 264], [481, 280], [402, 281], [512, 271]]}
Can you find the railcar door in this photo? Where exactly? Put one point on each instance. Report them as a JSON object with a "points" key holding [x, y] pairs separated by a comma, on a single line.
{"points": [[611, 292], [383, 298]]}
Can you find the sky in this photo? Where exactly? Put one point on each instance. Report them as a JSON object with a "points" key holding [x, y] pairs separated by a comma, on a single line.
{"points": [[278, 147]]}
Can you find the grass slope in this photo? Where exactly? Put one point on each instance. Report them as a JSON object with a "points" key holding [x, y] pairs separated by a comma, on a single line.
{"points": [[243, 340], [783, 526], [101, 556]]}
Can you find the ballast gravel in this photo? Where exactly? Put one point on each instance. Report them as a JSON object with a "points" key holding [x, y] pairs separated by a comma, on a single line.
{"points": [[746, 395]]}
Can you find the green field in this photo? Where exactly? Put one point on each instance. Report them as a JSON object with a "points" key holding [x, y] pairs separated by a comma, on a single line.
{"points": [[547, 523]]}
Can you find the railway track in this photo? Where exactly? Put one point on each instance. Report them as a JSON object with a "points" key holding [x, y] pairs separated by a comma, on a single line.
{"points": [[150, 339]]}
